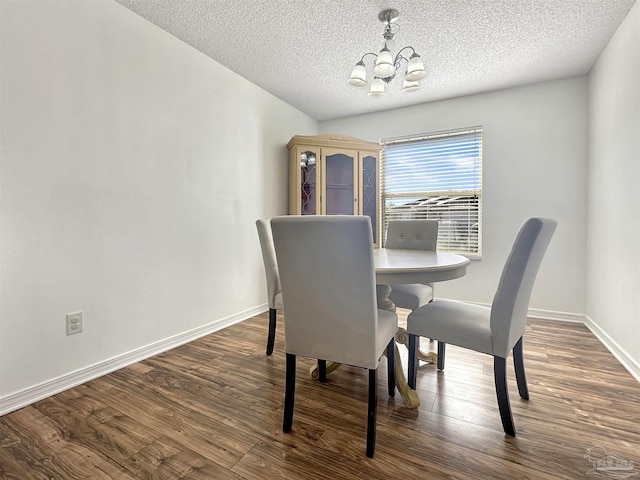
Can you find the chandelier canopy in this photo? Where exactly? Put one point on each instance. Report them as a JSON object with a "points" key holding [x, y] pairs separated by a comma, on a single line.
{"points": [[386, 66]]}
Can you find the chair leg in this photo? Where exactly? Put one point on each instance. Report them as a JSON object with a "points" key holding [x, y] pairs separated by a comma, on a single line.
{"points": [[322, 371], [441, 350], [412, 372], [271, 338], [289, 393], [391, 367], [372, 411], [518, 364], [500, 377]]}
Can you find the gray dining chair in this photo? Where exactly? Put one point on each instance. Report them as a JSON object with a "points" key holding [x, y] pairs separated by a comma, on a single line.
{"points": [[412, 235], [495, 330], [274, 291], [330, 309]]}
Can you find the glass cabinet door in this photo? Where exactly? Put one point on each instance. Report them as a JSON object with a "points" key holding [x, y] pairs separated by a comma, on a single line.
{"points": [[340, 182], [369, 191], [308, 181]]}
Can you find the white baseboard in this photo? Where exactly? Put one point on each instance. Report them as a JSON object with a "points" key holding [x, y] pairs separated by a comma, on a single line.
{"points": [[25, 397], [623, 357], [30, 395], [551, 315]]}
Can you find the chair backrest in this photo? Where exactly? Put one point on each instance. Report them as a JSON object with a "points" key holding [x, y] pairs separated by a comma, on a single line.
{"points": [[328, 287], [412, 234], [511, 301], [269, 259]]}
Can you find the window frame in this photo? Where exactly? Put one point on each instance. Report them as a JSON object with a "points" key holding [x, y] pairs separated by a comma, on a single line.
{"points": [[458, 198]]}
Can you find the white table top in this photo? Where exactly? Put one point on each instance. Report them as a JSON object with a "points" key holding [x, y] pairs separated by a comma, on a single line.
{"points": [[417, 266]]}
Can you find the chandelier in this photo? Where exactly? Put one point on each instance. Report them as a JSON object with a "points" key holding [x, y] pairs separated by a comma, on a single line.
{"points": [[386, 67]]}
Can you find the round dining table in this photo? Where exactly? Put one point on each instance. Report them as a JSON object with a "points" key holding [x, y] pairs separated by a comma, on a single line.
{"points": [[394, 266]]}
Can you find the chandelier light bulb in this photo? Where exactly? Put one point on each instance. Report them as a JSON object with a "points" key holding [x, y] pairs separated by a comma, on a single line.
{"points": [[384, 64], [415, 68], [377, 87], [409, 86], [358, 75]]}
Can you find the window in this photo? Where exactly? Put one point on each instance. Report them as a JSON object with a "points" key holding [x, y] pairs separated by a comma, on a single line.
{"points": [[436, 176]]}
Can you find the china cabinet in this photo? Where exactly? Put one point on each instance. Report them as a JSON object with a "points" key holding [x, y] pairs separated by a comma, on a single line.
{"points": [[334, 174]]}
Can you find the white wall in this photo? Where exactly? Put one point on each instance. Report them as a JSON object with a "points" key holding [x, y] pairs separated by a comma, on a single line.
{"points": [[534, 164], [133, 169], [613, 249]]}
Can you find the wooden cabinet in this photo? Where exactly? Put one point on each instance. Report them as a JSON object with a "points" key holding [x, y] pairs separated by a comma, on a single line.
{"points": [[334, 175]]}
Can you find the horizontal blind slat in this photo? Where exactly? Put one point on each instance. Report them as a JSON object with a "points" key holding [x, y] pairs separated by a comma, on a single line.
{"points": [[436, 176]]}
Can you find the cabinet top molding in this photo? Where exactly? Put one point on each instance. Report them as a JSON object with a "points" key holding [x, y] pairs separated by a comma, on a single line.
{"points": [[333, 140]]}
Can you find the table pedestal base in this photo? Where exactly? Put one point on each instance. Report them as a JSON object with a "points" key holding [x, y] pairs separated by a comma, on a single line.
{"points": [[315, 374], [403, 337], [410, 397]]}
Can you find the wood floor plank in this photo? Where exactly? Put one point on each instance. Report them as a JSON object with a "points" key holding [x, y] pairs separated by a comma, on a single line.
{"points": [[269, 460], [54, 452], [203, 434], [167, 460], [258, 417], [90, 422], [539, 455], [212, 409]]}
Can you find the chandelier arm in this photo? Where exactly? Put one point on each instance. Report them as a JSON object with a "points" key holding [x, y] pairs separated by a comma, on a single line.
{"points": [[398, 61], [368, 53], [399, 57]]}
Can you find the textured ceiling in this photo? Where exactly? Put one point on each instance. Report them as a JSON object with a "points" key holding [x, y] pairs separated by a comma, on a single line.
{"points": [[302, 51]]}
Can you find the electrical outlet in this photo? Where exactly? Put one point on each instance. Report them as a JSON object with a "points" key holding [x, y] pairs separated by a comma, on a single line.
{"points": [[74, 323]]}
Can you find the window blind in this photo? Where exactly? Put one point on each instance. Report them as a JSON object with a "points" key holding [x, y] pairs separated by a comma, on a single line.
{"points": [[436, 176]]}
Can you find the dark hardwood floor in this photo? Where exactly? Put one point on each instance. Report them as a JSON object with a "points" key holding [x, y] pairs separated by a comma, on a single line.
{"points": [[212, 409]]}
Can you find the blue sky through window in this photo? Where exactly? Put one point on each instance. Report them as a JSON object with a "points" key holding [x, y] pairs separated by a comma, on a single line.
{"points": [[449, 164]]}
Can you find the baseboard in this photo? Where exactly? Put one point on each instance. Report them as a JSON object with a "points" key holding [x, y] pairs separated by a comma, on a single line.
{"points": [[627, 362], [549, 314], [29, 395], [25, 397], [552, 315], [625, 359]]}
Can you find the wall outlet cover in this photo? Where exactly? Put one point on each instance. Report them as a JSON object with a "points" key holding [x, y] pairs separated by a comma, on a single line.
{"points": [[74, 323]]}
